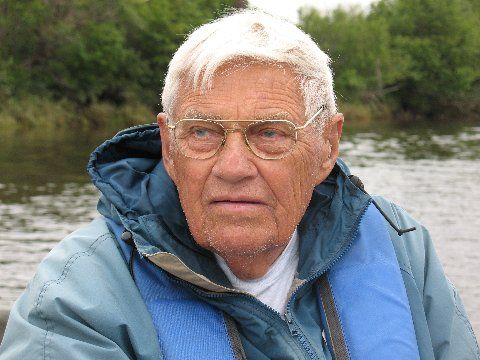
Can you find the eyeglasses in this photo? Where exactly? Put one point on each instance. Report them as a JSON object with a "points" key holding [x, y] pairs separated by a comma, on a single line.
{"points": [[268, 139]]}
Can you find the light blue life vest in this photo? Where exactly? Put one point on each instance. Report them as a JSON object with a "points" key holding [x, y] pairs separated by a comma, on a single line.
{"points": [[364, 286]]}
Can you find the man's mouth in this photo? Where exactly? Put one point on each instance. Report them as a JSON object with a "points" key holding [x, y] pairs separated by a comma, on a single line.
{"points": [[237, 203]]}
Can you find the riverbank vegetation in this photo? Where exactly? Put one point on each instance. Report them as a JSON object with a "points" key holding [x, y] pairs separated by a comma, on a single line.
{"points": [[403, 60], [88, 63]]}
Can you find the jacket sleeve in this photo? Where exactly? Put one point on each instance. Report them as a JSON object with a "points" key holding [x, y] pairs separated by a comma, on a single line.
{"points": [[35, 334], [81, 304], [441, 324]]}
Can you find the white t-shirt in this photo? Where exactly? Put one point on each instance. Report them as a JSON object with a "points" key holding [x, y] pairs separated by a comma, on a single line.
{"points": [[272, 288]]}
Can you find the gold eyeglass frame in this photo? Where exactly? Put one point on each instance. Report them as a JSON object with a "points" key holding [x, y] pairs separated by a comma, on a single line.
{"points": [[244, 131]]}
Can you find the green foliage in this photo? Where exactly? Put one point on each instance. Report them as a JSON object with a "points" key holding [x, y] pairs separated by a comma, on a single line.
{"points": [[358, 46], [155, 29], [88, 52], [418, 56], [79, 60], [440, 40], [37, 112]]}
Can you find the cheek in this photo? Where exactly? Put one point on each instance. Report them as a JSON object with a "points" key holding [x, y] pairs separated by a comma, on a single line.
{"points": [[299, 176], [313, 161], [293, 190], [190, 181], [190, 195], [307, 166]]}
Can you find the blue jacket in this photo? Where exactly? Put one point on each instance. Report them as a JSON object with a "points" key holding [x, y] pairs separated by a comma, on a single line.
{"points": [[84, 304]]}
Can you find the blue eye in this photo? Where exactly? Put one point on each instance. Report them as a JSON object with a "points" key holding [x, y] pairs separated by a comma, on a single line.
{"points": [[270, 134], [201, 132]]}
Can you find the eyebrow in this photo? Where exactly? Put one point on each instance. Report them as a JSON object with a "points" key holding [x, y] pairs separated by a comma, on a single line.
{"points": [[194, 114], [283, 115]]}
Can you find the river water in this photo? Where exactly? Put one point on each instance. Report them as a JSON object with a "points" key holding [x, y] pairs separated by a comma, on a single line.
{"points": [[434, 174]]}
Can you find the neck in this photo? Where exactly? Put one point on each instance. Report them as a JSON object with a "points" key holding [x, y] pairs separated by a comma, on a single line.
{"points": [[249, 267]]}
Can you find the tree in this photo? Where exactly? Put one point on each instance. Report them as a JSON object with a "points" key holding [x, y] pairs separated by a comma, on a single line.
{"points": [[419, 56], [439, 41], [359, 47], [89, 51]]}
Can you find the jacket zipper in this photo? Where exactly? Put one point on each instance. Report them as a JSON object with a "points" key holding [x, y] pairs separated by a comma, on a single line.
{"points": [[314, 277]]}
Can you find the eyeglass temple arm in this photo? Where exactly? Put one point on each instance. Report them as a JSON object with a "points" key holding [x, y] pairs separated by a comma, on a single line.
{"points": [[309, 121]]}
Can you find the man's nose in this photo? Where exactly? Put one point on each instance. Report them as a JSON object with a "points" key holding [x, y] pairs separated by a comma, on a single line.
{"points": [[235, 160]]}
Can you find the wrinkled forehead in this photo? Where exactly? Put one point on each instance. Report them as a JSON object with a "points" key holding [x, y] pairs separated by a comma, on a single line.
{"points": [[257, 91], [193, 113]]}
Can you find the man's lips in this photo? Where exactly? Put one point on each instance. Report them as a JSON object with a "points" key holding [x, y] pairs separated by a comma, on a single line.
{"points": [[237, 203], [239, 199]]}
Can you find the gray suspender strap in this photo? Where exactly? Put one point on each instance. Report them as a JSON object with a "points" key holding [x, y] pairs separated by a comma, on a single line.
{"points": [[232, 330], [340, 351]]}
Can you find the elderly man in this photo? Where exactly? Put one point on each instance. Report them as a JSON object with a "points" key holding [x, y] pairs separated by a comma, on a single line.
{"points": [[240, 235]]}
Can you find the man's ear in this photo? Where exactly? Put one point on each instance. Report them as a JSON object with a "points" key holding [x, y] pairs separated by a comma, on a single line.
{"points": [[166, 145], [331, 135]]}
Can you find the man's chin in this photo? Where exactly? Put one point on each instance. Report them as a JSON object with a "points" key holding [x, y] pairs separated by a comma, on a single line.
{"points": [[240, 239]]}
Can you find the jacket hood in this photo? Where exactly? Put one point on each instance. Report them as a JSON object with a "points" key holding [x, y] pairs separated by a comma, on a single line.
{"points": [[137, 192]]}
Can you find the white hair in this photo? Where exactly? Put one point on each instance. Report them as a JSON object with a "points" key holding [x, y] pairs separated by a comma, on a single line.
{"points": [[257, 37]]}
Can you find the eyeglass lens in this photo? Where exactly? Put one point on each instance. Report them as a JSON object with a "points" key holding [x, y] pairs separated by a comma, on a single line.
{"points": [[270, 139]]}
